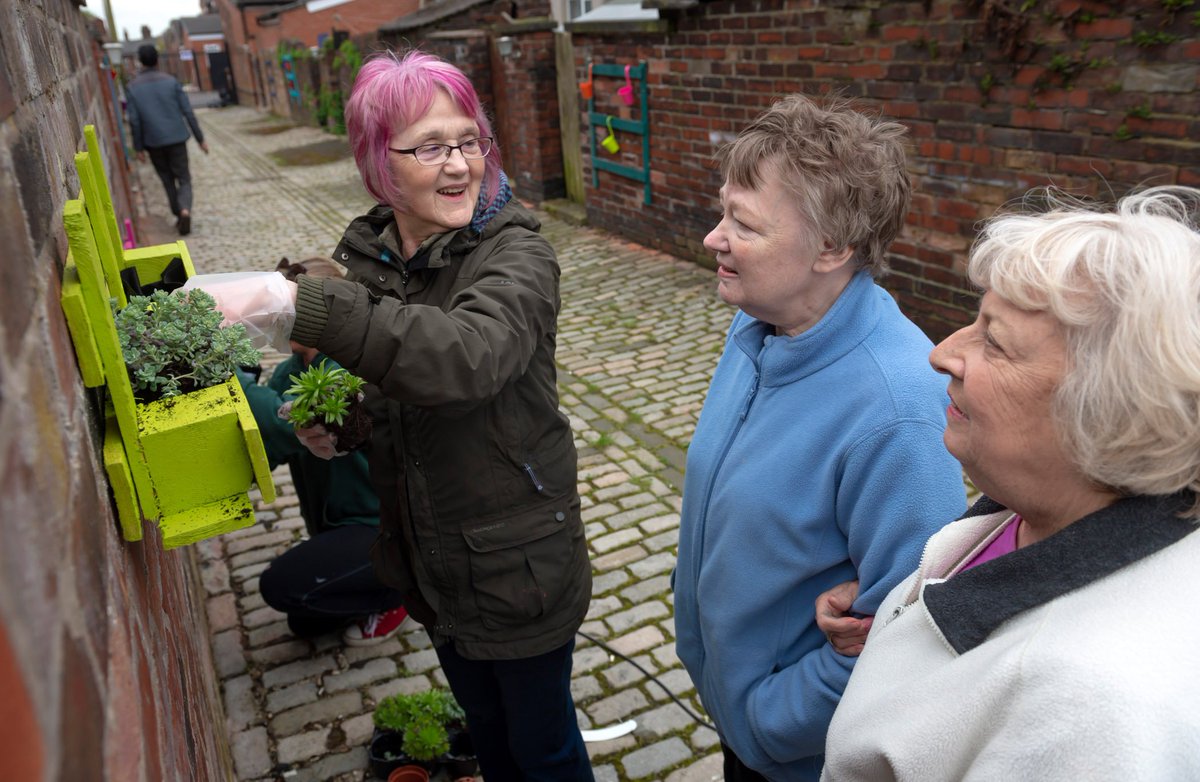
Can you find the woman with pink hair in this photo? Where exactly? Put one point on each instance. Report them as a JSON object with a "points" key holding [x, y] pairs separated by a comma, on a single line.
{"points": [[449, 311]]}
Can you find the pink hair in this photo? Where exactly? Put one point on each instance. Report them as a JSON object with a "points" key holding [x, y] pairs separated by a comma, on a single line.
{"points": [[392, 92]]}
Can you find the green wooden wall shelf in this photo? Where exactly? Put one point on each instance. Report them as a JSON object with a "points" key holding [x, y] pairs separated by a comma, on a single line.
{"points": [[186, 462], [639, 126]]}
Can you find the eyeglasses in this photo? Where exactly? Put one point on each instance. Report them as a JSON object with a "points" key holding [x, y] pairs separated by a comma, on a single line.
{"points": [[436, 154]]}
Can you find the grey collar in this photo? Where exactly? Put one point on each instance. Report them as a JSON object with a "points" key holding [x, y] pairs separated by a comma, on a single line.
{"points": [[970, 606]]}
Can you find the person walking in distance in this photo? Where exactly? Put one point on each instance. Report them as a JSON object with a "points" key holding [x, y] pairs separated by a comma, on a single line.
{"points": [[159, 118]]}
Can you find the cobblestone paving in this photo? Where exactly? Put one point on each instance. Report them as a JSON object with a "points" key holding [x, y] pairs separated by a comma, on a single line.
{"points": [[639, 335]]}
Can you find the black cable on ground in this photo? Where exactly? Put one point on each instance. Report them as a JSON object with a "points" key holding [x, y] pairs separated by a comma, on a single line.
{"points": [[703, 722]]}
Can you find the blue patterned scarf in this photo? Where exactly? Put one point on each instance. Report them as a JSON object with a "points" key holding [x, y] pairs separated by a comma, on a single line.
{"points": [[484, 212]]}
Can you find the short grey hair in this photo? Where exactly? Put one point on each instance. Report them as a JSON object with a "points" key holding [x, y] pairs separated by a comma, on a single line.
{"points": [[847, 171], [1125, 284]]}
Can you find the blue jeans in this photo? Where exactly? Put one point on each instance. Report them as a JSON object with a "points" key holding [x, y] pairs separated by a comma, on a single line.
{"points": [[521, 715], [736, 770]]}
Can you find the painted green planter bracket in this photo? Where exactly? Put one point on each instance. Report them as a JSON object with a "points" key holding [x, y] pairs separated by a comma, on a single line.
{"points": [[186, 462], [640, 127]]}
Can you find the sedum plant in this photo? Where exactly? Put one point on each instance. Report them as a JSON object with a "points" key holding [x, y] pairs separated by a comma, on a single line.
{"points": [[323, 394], [423, 718], [173, 343]]}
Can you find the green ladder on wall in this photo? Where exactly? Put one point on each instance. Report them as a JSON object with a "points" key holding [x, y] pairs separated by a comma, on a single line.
{"points": [[640, 127], [185, 462]]}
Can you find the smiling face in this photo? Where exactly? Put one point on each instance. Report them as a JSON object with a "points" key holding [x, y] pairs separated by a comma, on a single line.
{"points": [[1004, 369], [769, 264], [442, 197]]}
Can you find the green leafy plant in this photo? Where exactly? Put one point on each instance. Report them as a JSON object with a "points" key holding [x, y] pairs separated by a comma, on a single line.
{"points": [[323, 394], [1142, 111], [173, 343], [295, 50], [424, 720], [348, 56], [1146, 39], [330, 110]]}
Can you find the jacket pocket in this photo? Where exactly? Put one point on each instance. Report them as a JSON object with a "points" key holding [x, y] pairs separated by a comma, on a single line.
{"points": [[521, 565]]}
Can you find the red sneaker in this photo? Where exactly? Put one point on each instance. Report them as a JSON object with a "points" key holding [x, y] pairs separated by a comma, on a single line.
{"points": [[376, 628]]}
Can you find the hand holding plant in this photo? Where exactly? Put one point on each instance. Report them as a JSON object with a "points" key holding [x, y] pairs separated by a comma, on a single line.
{"points": [[328, 398]]}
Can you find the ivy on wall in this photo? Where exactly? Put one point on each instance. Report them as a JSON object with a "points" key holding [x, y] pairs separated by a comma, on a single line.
{"points": [[1047, 36]]}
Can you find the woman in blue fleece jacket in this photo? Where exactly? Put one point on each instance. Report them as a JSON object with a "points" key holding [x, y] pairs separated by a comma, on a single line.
{"points": [[818, 456]]}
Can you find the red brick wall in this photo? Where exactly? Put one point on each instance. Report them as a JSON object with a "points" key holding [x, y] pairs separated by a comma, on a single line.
{"points": [[237, 45], [105, 667], [357, 17], [532, 141], [252, 46], [1092, 99]]}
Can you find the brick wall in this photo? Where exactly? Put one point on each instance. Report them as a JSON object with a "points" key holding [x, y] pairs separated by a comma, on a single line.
{"points": [[242, 60], [105, 666], [1091, 96], [356, 17], [533, 143]]}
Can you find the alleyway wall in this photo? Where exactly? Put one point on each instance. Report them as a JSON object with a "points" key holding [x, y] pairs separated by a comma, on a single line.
{"points": [[105, 668], [1000, 96]]}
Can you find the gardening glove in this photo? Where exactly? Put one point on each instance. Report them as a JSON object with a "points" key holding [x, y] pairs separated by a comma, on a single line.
{"points": [[321, 442], [263, 302]]}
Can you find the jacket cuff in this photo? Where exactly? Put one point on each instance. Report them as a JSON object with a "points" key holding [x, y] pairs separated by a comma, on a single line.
{"points": [[311, 311]]}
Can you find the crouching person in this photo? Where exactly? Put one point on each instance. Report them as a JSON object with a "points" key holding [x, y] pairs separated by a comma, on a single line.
{"points": [[325, 583]]}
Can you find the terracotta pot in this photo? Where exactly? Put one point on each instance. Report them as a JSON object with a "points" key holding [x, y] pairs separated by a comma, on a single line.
{"points": [[409, 774]]}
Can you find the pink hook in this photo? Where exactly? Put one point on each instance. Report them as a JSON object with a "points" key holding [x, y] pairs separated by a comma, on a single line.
{"points": [[626, 92]]}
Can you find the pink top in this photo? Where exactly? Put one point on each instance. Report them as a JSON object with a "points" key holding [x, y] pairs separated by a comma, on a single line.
{"points": [[1005, 542]]}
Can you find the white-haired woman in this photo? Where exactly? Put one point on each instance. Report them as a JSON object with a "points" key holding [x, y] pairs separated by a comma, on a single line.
{"points": [[1051, 633]]}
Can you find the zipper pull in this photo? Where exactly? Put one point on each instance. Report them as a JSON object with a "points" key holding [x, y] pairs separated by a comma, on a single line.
{"points": [[536, 483], [750, 398]]}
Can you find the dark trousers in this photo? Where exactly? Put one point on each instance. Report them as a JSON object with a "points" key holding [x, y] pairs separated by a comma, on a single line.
{"points": [[171, 164], [736, 770], [325, 581], [521, 715]]}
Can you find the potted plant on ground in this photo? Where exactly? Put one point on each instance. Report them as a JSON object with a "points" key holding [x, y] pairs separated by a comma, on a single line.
{"points": [[415, 728], [460, 761], [331, 396]]}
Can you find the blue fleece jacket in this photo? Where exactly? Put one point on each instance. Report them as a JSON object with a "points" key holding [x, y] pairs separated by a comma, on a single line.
{"points": [[817, 459]]}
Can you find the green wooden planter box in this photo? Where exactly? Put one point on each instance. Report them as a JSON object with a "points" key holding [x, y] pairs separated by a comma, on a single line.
{"points": [[186, 462]]}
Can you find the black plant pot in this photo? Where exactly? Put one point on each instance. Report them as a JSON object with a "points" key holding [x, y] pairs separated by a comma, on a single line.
{"points": [[385, 754], [460, 761]]}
